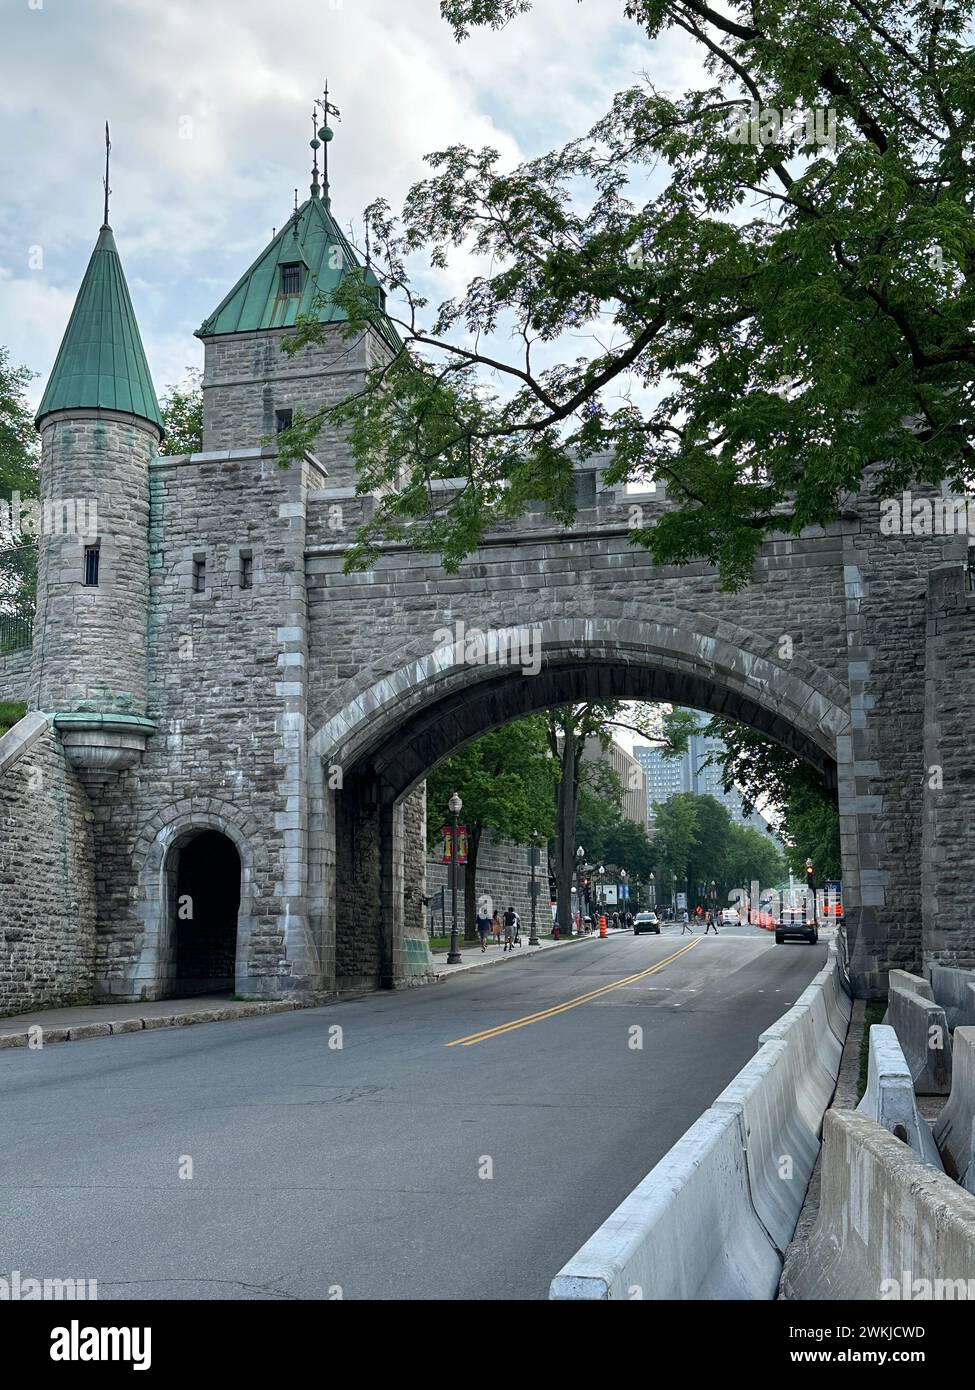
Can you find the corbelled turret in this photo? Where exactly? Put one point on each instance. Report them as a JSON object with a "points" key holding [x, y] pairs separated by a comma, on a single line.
{"points": [[100, 426]]}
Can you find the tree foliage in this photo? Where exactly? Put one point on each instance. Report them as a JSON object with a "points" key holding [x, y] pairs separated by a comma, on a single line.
{"points": [[19, 462], [775, 313], [181, 408], [504, 780]]}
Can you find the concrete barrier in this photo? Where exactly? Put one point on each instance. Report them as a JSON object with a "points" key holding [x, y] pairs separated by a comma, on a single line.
{"points": [[953, 1128], [889, 1097], [889, 1226], [922, 1031], [688, 1231], [914, 984], [780, 1116], [954, 990], [712, 1219]]}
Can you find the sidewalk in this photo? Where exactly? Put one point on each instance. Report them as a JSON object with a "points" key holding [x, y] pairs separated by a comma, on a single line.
{"points": [[105, 1020]]}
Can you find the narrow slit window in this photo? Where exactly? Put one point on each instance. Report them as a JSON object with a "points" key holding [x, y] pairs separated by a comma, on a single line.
{"points": [[247, 571], [199, 576], [283, 420], [291, 279], [91, 566]]}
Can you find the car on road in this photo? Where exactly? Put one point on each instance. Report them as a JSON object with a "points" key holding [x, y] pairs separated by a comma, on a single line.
{"points": [[730, 917], [646, 921], [794, 929]]}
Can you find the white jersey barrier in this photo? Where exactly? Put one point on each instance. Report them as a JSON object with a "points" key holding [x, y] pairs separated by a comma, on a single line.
{"points": [[889, 1098], [889, 1227], [955, 992], [914, 984], [953, 1129], [713, 1218], [922, 1031]]}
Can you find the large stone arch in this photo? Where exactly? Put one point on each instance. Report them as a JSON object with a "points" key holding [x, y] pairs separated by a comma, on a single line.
{"points": [[798, 705], [381, 737]]}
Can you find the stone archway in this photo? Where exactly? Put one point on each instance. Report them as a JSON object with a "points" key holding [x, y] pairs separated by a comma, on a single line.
{"points": [[159, 853], [387, 736]]}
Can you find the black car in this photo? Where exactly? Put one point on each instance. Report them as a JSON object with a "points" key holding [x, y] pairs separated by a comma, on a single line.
{"points": [[796, 930], [645, 921]]}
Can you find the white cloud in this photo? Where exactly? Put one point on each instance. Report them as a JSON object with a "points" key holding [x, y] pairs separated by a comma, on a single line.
{"points": [[210, 109]]}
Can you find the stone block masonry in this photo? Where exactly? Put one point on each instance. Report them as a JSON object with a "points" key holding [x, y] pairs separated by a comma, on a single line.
{"points": [[47, 880], [15, 676], [503, 874]]}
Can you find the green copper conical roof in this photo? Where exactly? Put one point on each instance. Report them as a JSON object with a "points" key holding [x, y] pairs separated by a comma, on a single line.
{"points": [[101, 364], [313, 241]]}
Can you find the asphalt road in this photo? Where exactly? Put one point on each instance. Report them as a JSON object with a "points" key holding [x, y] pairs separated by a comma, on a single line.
{"points": [[362, 1172]]}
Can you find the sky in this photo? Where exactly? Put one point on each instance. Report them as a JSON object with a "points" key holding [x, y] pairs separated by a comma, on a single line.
{"points": [[210, 102]]}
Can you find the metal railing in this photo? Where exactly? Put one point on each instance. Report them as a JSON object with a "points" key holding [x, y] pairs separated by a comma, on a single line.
{"points": [[15, 633]]}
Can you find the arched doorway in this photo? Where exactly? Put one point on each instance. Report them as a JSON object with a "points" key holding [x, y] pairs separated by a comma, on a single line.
{"points": [[205, 876]]}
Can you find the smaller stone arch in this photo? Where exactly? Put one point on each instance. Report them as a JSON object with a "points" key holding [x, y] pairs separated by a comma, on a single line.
{"points": [[154, 861]]}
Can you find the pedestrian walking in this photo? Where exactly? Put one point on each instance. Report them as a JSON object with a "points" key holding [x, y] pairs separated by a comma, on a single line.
{"points": [[496, 927], [483, 927], [710, 923], [686, 924], [510, 928]]}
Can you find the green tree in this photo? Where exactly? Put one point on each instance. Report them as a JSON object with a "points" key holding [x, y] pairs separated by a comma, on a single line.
{"points": [[505, 782], [752, 856], [181, 408], [569, 729], [19, 462], [794, 301], [765, 772], [675, 835]]}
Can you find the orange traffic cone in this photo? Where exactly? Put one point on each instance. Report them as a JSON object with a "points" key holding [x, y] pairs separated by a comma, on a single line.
{"points": [[602, 925]]}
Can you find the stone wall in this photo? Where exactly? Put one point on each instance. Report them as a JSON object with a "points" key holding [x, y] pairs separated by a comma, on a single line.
{"points": [[503, 874], [47, 891], [948, 778], [228, 669], [248, 379], [15, 676]]}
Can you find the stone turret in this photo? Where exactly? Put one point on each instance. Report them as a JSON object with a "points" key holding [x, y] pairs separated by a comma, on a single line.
{"points": [[100, 427], [251, 388]]}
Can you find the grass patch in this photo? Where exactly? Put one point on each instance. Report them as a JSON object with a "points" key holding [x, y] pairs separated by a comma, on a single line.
{"points": [[873, 1013], [10, 714]]}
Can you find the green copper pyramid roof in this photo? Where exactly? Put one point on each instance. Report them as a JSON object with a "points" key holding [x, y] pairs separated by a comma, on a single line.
{"points": [[101, 363], [312, 240]]}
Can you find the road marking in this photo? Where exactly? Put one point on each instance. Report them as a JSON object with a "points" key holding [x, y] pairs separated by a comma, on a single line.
{"points": [[569, 1003]]}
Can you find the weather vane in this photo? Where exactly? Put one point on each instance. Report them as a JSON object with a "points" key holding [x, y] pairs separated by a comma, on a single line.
{"points": [[108, 151], [321, 135]]}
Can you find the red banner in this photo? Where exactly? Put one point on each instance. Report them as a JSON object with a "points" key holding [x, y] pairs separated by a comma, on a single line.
{"points": [[446, 855]]}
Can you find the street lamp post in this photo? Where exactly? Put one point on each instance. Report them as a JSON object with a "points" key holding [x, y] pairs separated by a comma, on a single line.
{"points": [[623, 877], [533, 936], [602, 889], [453, 955], [652, 888], [580, 860]]}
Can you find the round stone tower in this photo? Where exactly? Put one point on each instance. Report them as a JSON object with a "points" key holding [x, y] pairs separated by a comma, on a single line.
{"points": [[100, 426]]}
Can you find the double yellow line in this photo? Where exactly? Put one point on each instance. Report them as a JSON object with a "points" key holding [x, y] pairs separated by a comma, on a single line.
{"points": [[569, 1003]]}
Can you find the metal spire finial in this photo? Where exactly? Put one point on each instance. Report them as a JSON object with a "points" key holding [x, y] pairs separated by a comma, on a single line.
{"points": [[325, 134], [108, 151], [316, 188]]}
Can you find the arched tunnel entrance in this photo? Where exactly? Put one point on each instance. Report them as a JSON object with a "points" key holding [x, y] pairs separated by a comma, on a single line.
{"points": [[378, 821], [205, 885]]}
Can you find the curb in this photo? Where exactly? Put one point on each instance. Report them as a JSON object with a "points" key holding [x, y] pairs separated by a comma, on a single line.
{"points": [[112, 1027]]}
